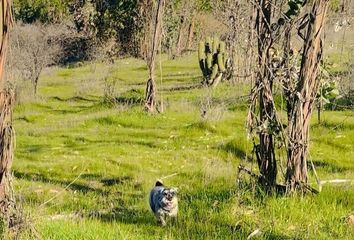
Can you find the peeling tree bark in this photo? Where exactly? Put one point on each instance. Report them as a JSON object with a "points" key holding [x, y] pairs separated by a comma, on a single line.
{"points": [[6, 148], [6, 130], [303, 100]]}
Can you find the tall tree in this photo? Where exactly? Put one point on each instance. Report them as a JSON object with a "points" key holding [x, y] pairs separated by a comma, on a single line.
{"points": [[6, 130], [150, 94], [300, 88], [265, 151], [304, 101]]}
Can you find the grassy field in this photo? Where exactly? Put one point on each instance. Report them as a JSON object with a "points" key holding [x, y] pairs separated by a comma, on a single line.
{"points": [[83, 168]]}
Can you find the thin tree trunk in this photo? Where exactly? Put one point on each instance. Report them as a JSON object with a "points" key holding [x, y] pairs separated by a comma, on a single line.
{"points": [[35, 86], [232, 42], [304, 100], [150, 94], [190, 34], [6, 131], [250, 47], [266, 150], [179, 38], [6, 148], [144, 7], [319, 109]]}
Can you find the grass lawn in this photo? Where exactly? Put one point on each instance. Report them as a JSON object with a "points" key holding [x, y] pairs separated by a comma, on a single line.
{"points": [[83, 169]]}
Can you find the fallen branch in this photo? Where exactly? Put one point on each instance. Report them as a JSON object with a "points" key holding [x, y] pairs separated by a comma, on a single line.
{"points": [[169, 176], [338, 181], [334, 181], [59, 193]]}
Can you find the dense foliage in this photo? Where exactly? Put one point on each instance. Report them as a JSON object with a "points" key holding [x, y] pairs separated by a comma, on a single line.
{"points": [[106, 19], [29, 11]]}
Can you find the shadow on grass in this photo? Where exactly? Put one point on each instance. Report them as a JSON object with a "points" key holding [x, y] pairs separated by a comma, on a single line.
{"points": [[35, 148], [332, 144], [126, 215], [235, 150], [74, 99], [84, 106], [183, 87], [185, 74], [202, 125], [80, 187], [138, 69], [130, 100], [344, 125], [25, 119], [242, 231], [116, 180], [64, 111], [277, 236], [131, 97], [329, 167], [81, 143], [108, 182]]}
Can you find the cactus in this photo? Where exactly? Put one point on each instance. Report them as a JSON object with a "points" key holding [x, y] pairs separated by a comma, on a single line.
{"points": [[212, 60]]}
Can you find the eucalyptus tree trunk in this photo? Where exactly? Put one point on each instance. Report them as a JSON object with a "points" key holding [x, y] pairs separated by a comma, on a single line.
{"points": [[6, 130], [303, 101], [150, 93]]}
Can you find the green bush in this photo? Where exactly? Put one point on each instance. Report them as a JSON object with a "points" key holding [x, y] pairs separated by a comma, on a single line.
{"points": [[46, 11]]}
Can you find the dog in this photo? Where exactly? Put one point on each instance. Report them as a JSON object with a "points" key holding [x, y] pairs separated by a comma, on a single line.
{"points": [[163, 203]]}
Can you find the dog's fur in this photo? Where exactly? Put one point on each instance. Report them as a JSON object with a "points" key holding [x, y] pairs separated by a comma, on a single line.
{"points": [[163, 202]]}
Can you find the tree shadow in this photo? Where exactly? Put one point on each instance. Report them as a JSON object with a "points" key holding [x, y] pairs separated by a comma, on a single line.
{"points": [[107, 182], [124, 214], [241, 231], [236, 151], [25, 119], [183, 87], [328, 167], [270, 235], [64, 111], [131, 97], [332, 144], [77, 143], [138, 69], [116, 180], [80, 187], [35, 148], [344, 125], [74, 99]]}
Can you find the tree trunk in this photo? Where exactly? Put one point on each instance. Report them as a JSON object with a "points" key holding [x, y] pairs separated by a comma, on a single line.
{"points": [[190, 34], [143, 27], [319, 109], [266, 150], [6, 131], [150, 101], [179, 38], [6, 150], [35, 86], [304, 100]]}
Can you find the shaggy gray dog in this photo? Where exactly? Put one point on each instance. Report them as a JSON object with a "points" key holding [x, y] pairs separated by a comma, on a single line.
{"points": [[163, 202]]}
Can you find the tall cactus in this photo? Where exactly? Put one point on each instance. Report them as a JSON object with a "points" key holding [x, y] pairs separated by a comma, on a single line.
{"points": [[212, 60]]}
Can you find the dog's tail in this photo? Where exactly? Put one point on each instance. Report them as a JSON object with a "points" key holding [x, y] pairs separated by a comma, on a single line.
{"points": [[159, 183]]}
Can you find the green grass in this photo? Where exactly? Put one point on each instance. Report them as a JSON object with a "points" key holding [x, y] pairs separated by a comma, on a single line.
{"points": [[118, 152]]}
